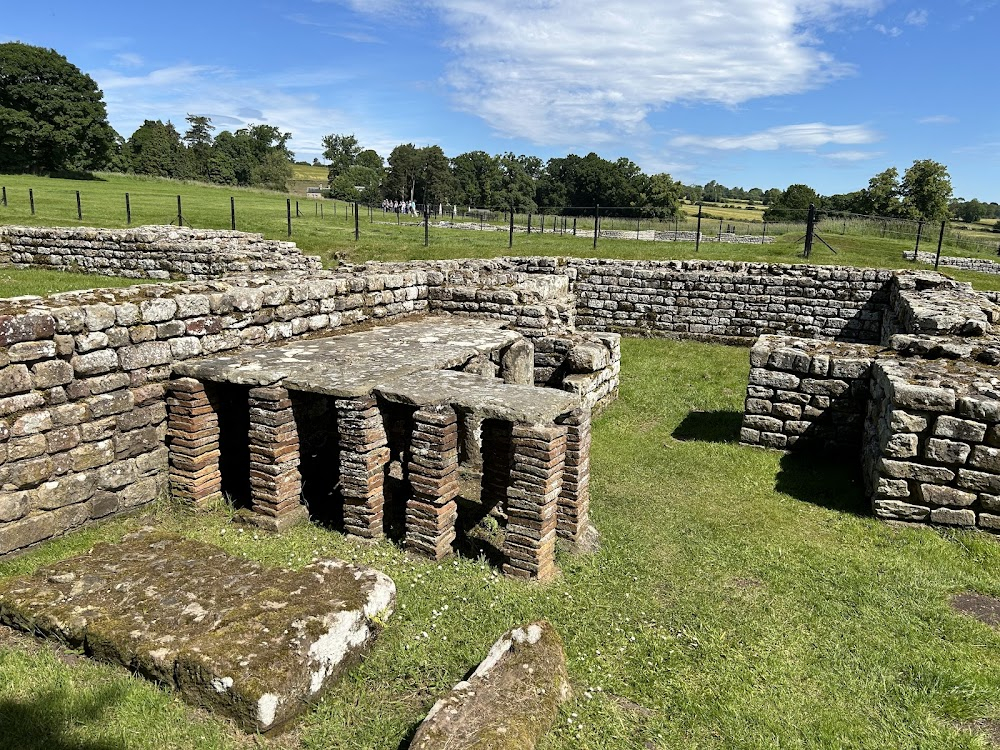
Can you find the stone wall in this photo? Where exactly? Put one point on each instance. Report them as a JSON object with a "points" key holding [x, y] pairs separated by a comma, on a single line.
{"points": [[982, 265], [722, 300], [151, 252], [82, 374], [806, 392]]}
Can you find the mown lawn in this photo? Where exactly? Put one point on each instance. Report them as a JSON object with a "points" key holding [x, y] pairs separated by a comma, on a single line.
{"points": [[331, 236], [740, 599]]}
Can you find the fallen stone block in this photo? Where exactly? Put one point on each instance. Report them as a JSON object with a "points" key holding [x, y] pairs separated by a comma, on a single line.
{"points": [[252, 643], [510, 701]]}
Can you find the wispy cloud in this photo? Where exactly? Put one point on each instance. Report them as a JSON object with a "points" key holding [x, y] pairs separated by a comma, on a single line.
{"points": [[938, 120], [127, 60], [805, 137], [916, 18], [852, 156], [574, 71], [891, 31]]}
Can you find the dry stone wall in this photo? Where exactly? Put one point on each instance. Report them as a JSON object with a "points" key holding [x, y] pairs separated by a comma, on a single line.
{"points": [[151, 252], [982, 265]]}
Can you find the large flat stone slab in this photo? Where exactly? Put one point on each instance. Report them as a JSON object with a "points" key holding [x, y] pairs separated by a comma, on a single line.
{"points": [[351, 365], [485, 397], [250, 642]]}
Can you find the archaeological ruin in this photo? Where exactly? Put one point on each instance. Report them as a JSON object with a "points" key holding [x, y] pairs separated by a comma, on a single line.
{"points": [[374, 397]]}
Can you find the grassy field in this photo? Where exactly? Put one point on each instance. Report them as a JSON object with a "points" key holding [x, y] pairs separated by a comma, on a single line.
{"points": [[309, 172], [741, 599], [741, 214]]}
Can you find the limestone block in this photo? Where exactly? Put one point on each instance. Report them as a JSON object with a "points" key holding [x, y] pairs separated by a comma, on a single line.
{"points": [[947, 451], [895, 510], [978, 481], [986, 458], [901, 445], [934, 494], [510, 700], [959, 429], [950, 517]]}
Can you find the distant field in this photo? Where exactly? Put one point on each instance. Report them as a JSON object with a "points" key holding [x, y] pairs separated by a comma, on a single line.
{"points": [[310, 173], [745, 212]]}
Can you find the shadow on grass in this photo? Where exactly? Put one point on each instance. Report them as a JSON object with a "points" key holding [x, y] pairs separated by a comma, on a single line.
{"points": [[72, 174], [44, 721], [831, 481], [710, 426]]}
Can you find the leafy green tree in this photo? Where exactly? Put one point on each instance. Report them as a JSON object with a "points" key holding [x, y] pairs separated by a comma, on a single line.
{"points": [[663, 195], [341, 151], [926, 189], [884, 195], [198, 139], [52, 115], [793, 204], [155, 149], [771, 195], [477, 178], [370, 158], [404, 169], [517, 186], [357, 184], [969, 211], [435, 182]]}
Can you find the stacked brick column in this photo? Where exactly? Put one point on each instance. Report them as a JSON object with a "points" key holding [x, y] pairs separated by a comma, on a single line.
{"points": [[536, 483], [193, 440], [275, 481], [364, 455], [431, 511], [574, 500], [496, 455]]}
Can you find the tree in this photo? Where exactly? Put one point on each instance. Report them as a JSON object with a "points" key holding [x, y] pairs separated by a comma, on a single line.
{"points": [[926, 189], [370, 158], [341, 151], [199, 142], [477, 178], [884, 195], [52, 115], [517, 187], [969, 211], [155, 149], [357, 184], [664, 196], [792, 204]]}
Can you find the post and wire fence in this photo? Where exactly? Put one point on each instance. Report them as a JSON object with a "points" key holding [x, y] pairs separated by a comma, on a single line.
{"points": [[284, 216]]}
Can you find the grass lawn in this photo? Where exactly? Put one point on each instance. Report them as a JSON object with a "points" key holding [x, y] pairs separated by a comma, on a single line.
{"points": [[741, 599]]}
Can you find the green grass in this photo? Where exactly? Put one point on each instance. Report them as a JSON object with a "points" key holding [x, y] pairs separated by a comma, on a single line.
{"points": [[740, 599], [154, 201], [15, 282]]}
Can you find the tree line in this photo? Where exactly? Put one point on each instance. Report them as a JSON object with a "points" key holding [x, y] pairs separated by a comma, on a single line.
{"points": [[53, 120]]}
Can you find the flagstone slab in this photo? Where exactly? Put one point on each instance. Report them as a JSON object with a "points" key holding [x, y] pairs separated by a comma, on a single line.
{"points": [[250, 642]]}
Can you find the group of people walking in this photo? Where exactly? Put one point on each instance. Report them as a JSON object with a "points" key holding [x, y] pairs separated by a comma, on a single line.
{"points": [[399, 207]]}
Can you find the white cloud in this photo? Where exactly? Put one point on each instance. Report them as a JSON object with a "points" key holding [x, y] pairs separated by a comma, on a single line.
{"points": [[893, 31], [852, 156], [565, 71], [916, 18], [805, 137], [938, 120], [128, 60]]}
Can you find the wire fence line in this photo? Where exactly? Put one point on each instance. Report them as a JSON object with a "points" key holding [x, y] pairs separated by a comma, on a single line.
{"points": [[278, 215]]}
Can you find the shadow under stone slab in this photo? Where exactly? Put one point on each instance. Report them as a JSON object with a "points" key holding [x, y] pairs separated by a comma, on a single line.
{"points": [[250, 642]]}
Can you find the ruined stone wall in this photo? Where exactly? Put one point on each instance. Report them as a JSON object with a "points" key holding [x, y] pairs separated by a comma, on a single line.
{"points": [[722, 300], [82, 401], [151, 252], [982, 265], [806, 392]]}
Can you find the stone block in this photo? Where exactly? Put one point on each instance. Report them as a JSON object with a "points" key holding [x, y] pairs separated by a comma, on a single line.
{"points": [[895, 510], [934, 494], [959, 429], [951, 517], [946, 451]]}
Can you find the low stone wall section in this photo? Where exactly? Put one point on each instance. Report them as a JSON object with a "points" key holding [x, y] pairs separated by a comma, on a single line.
{"points": [[150, 252], [932, 444], [805, 392], [981, 265]]}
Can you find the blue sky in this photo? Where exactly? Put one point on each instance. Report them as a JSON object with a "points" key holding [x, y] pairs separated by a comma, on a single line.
{"points": [[757, 93]]}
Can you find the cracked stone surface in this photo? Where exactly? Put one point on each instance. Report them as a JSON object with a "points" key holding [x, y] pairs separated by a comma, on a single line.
{"points": [[351, 365], [485, 397], [252, 643]]}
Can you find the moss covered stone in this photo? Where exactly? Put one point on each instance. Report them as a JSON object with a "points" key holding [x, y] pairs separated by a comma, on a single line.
{"points": [[251, 642], [509, 702]]}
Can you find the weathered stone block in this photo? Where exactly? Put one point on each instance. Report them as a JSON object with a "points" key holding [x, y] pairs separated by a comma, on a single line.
{"points": [[895, 510], [934, 494], [950, 517], [947, 451], [959, 429]]}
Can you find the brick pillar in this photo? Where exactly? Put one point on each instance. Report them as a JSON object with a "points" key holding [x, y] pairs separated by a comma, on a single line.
{"points": [[364, 455], [496, 455], [574, 500], [193, 443], [275, 482], [431, 511], [529, 549]]}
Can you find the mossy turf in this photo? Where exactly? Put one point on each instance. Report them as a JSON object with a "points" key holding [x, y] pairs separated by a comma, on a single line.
{"points": [[741, 599]]}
